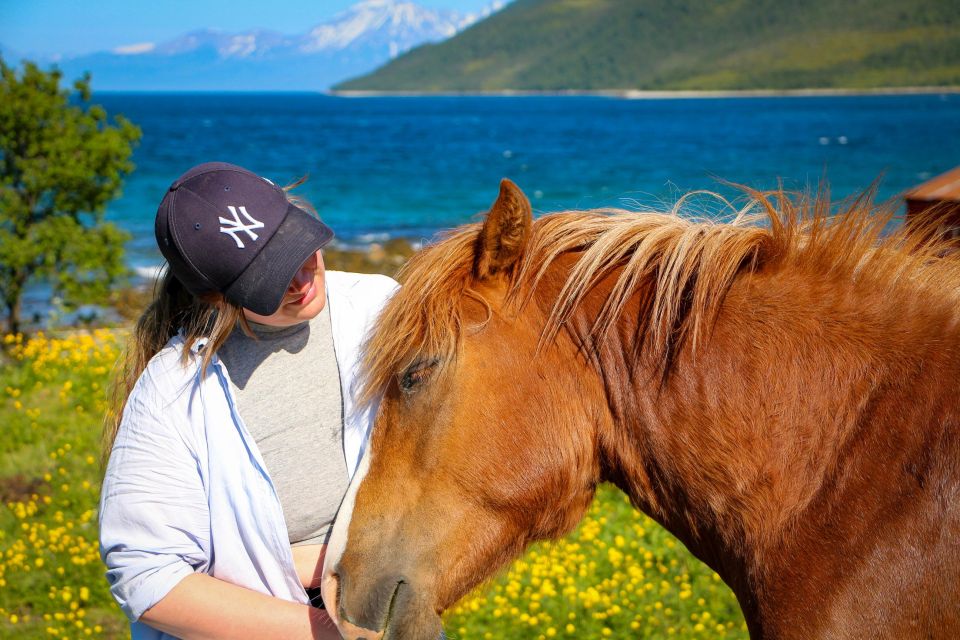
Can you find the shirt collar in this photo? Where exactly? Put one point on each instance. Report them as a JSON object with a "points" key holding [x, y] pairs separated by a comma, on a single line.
{"points": [[197, 347]]}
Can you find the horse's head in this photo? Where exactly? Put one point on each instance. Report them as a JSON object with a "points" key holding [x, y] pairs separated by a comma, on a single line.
{"points": [[481, 445]]}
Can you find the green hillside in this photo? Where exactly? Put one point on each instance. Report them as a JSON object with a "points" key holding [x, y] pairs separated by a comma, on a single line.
{"points": [[688, 44]]}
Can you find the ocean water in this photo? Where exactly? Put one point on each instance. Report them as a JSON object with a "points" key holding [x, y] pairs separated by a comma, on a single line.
{"points": [[383, 167]]}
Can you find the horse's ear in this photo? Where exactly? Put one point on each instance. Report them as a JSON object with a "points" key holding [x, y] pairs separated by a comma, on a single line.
{"points": [[505, 232]]}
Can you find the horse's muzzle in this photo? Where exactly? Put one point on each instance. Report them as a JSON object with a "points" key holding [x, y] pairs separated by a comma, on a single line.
{"points": [[383, 609]]}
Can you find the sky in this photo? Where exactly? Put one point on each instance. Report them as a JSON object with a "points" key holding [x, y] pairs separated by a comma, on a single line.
{"points": [[70, 27]]}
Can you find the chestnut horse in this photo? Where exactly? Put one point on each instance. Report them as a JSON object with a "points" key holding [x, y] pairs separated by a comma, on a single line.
{"points": [[782, 397]]}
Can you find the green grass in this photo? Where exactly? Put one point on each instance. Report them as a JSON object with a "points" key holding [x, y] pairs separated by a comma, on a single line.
{"points": [[618, 575], [51, 400]]}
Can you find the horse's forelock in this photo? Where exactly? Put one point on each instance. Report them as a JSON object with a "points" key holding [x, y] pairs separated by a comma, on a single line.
{"points": [[423, 317]]}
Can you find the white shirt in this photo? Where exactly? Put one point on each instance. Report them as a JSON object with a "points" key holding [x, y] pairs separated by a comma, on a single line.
{"points": [[186, 489]]}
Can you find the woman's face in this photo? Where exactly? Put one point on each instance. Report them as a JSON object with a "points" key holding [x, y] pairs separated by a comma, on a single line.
{"points": [[303, 300]]}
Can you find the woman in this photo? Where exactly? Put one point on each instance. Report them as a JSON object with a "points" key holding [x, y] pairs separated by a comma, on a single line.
{"points": [[236, 432]]}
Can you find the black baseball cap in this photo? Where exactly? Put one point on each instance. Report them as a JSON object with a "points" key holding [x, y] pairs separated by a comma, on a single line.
{"points": [[224, 229]]}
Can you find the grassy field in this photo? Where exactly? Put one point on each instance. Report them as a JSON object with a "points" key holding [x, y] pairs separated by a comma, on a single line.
{"points": [[618, 575]]}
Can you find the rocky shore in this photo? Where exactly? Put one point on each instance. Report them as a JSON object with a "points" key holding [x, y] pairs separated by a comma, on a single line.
{"points": [[385, 258]]}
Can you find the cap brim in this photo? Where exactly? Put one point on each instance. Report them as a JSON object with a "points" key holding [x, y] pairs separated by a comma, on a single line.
{"points": [[263, 283]]}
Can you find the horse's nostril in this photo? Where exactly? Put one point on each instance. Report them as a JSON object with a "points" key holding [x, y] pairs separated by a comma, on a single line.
{"points": [[393, 601], [365, 610]]}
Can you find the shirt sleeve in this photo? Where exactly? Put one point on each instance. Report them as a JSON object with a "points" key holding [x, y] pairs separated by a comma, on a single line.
{"points": [[154, 518], [376, 292]]}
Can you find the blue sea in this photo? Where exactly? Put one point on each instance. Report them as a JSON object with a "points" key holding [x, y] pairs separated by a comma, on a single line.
{"points": [[391, 166]]}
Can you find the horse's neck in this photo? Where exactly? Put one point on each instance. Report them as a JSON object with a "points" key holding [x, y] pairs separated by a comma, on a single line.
{"points": [[792, 406]]}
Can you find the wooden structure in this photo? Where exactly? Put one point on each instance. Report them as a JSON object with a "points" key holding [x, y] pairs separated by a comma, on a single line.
{"points": [[938, 196]]}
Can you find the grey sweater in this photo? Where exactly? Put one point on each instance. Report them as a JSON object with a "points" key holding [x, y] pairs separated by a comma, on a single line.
{"points": [[288, 393]]}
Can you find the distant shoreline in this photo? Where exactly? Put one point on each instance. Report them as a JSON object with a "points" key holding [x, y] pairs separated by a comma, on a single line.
{"points": [[638, 94]]}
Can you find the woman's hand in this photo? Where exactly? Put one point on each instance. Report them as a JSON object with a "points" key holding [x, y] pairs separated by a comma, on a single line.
{"points": [[202, 607]]}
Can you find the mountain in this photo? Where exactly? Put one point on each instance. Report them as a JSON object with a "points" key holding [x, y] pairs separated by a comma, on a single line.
{"points": [[687, 44], [354, 41]]}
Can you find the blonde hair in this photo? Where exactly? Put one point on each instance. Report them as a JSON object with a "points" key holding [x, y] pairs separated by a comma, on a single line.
{"points": [[174, 309]]}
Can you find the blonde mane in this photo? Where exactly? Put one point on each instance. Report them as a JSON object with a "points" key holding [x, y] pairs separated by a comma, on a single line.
{"points": [[683, 266]]}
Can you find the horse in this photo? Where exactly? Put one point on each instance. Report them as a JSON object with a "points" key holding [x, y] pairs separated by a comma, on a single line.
{"points": [[778, 391]]}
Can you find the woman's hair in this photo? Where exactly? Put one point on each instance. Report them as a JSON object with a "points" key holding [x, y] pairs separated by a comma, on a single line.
{"points": [[210, 317]]}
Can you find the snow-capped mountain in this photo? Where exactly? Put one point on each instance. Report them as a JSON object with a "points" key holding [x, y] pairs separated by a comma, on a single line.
{"points": [[396, 25], [353, 42]]}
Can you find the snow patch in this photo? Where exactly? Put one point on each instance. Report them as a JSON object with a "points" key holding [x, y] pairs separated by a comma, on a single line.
{"points": [[395, 25], [240, 46], [135, 49]]}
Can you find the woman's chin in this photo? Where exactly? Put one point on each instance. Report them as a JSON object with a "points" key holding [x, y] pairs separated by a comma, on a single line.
{"points": [[312, 307]]}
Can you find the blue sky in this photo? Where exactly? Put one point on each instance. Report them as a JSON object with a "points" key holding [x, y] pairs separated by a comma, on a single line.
{"points": [[50, 27]]}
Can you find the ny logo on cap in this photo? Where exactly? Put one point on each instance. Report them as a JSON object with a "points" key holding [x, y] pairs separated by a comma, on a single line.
{"points": [[235, 226]]}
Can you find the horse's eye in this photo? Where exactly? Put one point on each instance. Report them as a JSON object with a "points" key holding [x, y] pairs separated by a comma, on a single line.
{"points": [[417, 373]]}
